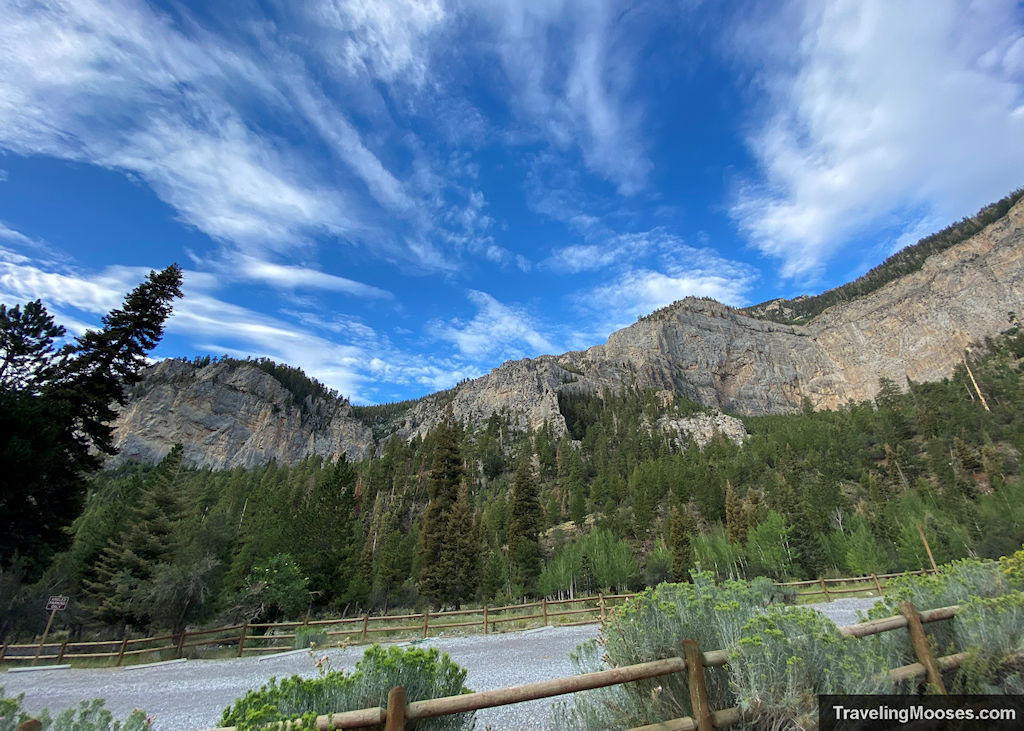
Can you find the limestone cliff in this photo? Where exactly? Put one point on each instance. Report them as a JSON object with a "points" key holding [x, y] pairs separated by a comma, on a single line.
{"points": [[229, 415], [914, 327]]}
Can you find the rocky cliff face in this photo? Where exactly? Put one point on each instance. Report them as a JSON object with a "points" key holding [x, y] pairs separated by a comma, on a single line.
{"points": [[916, 327], [229, 415]]}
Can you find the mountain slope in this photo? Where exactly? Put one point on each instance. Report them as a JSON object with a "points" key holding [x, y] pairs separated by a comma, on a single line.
{"points": [[916, 326]]}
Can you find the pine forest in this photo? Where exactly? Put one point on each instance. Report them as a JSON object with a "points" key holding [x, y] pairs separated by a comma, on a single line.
{"points": [[467, 516]]}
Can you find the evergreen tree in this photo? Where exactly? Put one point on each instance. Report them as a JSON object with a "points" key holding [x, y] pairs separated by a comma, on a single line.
{"points": [[56, 409], [735, 519], [26, 347], [681, 532], [151, 538], [327, 524], [392, 564], [435, 539], [524, 530], [461, 554]]}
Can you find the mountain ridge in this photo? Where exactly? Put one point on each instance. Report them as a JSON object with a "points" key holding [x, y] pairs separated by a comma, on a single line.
{"points": [[915, 326]]}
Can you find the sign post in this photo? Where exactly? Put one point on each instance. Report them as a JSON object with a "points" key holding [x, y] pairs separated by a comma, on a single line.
{"points": [[54, 604]]}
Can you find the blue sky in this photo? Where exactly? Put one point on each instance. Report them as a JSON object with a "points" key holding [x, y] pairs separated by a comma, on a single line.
{"points": [[398, 194]]}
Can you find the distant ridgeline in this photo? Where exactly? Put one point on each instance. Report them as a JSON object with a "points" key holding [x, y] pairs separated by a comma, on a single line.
{"points": [[803, 309]]}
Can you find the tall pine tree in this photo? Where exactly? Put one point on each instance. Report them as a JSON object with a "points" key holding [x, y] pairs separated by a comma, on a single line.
{"points": [[524, 530], [446, 473], [56, 408], [151, 537]]}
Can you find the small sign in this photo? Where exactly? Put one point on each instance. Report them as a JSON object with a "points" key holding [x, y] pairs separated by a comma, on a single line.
{"points": [[56, 603]]}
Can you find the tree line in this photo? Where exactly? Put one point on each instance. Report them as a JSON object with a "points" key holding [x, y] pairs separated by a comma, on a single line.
{"points": [[496, 513]]}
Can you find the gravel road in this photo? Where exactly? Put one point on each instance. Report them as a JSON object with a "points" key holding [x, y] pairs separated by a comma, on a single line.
{"points": [[186, 696]]}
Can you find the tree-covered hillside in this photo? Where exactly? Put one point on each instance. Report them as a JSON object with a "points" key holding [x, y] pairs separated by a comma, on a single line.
{"points": [[484, 515]]}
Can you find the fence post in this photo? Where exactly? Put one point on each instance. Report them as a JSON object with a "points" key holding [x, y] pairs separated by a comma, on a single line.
{"points": [[46, 632], [544, 606], [426, 620], [63, 649], [600, 599], [396, 709], [878, 587], [922, 648], [181, 642], [120, 653], [485, 619], [824, 590], [3, 650], [366, 623], [241, 638], [698, 687]]}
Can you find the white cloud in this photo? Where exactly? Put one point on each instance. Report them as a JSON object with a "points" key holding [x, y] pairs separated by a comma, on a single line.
{"points": [[614, 249], [880, 108], [496, 330], [681, 271], [295, 277], [98, 293], [384, 38], [574, 91], [119, 86], [9, 234]]}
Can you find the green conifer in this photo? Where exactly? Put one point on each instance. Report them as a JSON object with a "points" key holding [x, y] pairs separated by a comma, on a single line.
{"points": [[445, 477]]}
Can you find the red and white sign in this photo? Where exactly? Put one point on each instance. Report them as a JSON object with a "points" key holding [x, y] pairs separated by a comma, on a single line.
{"points": [[56, 603]]}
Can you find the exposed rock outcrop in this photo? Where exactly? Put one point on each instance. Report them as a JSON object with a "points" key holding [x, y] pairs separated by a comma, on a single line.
{"points": [[229, 415], [915, 327]]}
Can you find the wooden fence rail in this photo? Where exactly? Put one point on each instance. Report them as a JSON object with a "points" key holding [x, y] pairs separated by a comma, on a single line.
{"points": [[265, 637], [693, 662]]}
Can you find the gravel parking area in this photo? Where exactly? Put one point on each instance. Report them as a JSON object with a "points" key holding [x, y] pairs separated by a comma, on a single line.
{"points": [[186, 696]]}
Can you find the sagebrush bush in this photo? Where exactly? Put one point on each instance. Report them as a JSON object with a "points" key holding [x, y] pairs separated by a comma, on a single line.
{"points": [[423, 673], [652, 626], [89, 716], [992, 632], [958, 582], [787, 656], [1013, 568]]}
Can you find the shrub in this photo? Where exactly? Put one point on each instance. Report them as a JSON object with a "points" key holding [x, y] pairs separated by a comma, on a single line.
{"points": [[653, 626], [306, 637], [992, 632], [1013, 568], [787, 656], [274, 589], [89, 716], [959, 582], [423, 673]]}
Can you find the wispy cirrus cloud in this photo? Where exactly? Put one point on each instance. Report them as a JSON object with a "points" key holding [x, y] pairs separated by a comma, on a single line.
{"points": [[575, 91], [17, 237], [120, 86], [384, 40], [496, 331], [292, 277], [886, 109]]}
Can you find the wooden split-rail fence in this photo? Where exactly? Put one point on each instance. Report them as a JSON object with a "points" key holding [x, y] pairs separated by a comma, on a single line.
{"points": [[255, 638], [693, 662], [250, 638]]}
